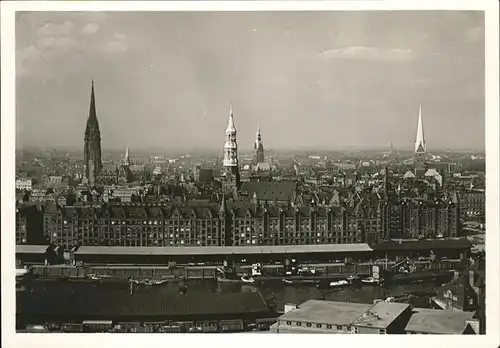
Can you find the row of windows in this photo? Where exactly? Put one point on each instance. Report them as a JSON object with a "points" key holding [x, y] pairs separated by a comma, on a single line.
{"points": [[320, 326], [144, 222]]}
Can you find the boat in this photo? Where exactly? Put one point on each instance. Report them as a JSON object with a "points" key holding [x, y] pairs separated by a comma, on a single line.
{"points": [[83, 280], [228, 280], [421, 276], [353, 279], [307, 271], [21, 272], [299, 281], [338, 284], [287, 281], [247, 280], [372, 280]]}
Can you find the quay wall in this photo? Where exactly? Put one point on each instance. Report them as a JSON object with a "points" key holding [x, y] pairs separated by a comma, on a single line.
{"points": [[209, 272]]}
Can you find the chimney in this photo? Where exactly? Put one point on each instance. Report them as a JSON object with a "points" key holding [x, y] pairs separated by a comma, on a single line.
{"points": [[471, 278], [290, 307]]}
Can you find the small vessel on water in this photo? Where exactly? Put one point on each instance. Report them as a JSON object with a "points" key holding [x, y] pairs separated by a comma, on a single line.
{"points": [[353, 279], [247, 280], [372, 281], [149, 282], [290, 282], [339, 284]]}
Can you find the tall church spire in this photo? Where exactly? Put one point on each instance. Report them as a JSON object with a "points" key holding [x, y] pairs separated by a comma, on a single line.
{"points": [[92, 122], [231, 154], [420, 146], [92, 146]]}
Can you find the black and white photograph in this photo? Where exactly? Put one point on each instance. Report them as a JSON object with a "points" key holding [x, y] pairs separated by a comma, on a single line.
{"points": [[274, 171]]}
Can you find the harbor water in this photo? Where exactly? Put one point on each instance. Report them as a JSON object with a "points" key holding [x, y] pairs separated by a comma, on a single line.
{"points": [[274, 290]]}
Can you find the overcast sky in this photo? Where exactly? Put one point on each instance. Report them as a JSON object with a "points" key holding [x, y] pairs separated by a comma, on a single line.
{"points": [[325, 80]]}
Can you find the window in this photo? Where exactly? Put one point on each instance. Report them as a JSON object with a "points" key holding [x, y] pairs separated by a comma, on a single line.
{"points": [[339, 327], [308, 324], [382, 331], [299, 323], [318, 326], [289, 323], [328, 326]]}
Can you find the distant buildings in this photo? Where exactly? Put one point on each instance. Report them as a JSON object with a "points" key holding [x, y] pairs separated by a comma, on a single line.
{"points": [[24, 184]]}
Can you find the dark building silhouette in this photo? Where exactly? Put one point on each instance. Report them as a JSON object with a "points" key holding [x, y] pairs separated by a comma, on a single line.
{"points": [[92, 147]]}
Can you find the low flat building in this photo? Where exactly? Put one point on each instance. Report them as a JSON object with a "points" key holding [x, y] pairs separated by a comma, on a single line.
{"points": [[322, 317], [432, 321], [316, 316]]}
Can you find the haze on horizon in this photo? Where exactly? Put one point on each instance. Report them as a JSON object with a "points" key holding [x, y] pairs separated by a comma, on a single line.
{"points": [[328, 80]]}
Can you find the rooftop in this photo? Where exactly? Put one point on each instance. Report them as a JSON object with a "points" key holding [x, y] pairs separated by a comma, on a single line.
{"points": [[423, 245], [31, 249], [381, 315], [327, 312], [434, 321], [216, 250]]}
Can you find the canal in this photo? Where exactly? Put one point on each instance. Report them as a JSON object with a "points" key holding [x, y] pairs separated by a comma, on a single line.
{"points": [[273, 289]]}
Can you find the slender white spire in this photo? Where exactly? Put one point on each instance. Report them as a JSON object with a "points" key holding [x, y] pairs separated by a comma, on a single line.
{"points": [[230, 126], [420, 146], [127, 158], [231, 146]]}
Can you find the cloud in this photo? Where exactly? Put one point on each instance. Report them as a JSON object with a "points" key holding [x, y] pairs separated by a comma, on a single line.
{"points": [[90, 28], [60, 43], [119, 44], [369, 53], [25, 58], [52, 29], [115, 46]]}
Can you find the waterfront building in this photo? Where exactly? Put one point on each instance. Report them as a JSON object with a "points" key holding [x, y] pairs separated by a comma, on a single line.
{"points": [[92, 146], [132, 225], [464, 293]]}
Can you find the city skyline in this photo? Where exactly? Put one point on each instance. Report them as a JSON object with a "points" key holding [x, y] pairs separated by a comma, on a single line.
{"points": [[435, 60]]}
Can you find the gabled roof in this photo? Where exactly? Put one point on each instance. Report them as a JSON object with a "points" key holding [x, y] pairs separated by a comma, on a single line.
{"points": [[275, 190]]}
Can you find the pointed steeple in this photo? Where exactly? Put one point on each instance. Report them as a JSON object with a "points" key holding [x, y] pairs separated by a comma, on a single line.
{"points": [[92, 146], [127, 158], [223, 207], [420, 140], [92, 122], [230, 126]]}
